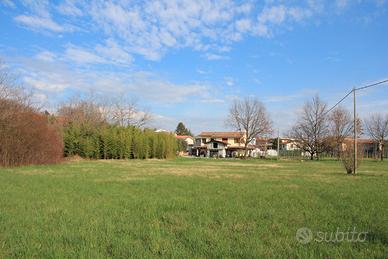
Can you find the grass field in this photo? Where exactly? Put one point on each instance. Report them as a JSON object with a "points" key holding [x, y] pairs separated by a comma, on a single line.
{"points": [[192, 208]]}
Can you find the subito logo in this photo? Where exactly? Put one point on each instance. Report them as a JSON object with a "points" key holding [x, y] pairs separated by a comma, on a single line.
{"points": [[304, 235]]}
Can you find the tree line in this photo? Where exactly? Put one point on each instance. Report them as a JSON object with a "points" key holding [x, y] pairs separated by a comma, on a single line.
{"points": [[90, 132], [316, 130], [86, 127]]}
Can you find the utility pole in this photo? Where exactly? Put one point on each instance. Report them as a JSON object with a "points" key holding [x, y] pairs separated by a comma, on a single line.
{"points": [[355, 132], [278, 145]]}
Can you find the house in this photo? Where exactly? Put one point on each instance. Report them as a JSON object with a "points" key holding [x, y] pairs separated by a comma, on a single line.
{"points": [[264, 147], [189, 142], [264, 143], [368, 147], [220, 144], [288, 144]]}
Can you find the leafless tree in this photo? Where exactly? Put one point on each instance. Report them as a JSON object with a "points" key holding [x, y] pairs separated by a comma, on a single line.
{"points": [[82, 111], [26, 137], [377, 127], [347, 157], [123, 111], [341, 127], [249, 117], [311, 128]]}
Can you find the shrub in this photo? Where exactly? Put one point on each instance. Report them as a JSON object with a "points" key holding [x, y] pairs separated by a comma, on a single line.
{"points": [[347, 157], [27, 136]]}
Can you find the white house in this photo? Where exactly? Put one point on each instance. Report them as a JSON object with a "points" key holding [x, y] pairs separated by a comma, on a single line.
{"points": [[220, 144]]}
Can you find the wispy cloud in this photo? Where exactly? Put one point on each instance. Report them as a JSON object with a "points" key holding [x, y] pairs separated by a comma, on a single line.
{"points": [[151, 28], [36, 22], [212, 56]]}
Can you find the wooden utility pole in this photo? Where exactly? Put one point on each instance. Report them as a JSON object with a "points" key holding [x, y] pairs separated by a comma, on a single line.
{"points": [[355, 132]]}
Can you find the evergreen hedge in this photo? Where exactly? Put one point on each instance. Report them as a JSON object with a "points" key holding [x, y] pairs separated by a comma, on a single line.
{"points": [[117, 142]]}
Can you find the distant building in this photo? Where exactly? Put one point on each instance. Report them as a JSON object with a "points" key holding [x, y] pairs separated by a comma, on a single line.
{"points": [[369, 147], [189, 142], [220, 144], [288, 144], [162, 130]]}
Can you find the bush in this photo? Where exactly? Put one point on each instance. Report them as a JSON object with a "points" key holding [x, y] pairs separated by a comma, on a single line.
{"points": [[26, 136], [347, 157]]}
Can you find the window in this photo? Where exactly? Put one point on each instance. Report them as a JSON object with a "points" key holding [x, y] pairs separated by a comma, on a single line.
{"points": [[236, 140], [203, 140], [215, 145]]}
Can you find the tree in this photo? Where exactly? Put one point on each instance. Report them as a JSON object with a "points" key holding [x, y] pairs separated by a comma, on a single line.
{"points": [[26, 135], [311, 128], [377, 127], [87, 113], [181, 130], [125, 112], [341, 127], [249, 117]]}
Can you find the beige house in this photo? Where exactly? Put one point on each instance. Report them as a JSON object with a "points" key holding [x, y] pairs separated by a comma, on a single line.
{"points": [[189, 142], [219, 144]]}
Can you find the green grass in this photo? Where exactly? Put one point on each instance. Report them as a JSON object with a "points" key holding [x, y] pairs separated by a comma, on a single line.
{"points": [[191, 208]]}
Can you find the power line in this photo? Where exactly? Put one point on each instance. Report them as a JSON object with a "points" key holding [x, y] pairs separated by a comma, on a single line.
{"points": [[355, 89], [374, 84], [340, 101]]}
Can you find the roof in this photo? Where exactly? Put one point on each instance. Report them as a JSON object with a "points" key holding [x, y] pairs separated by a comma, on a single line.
{"points": [[215, 134], [360, 140], [183, 137]]}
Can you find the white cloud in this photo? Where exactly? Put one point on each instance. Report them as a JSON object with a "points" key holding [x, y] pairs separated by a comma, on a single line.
{"points": [[243, 25], [275, 14], [48, 78], [81, 55], [151, 28], [46, 56], [36, 22], [213, 101], [113, 52], [45, 85], [211, 56], [69, 7]]}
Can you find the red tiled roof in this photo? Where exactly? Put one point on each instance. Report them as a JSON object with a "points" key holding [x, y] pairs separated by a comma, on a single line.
{"points": [[221, 134]]}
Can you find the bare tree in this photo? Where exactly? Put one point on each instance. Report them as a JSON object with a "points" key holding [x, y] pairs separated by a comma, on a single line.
{"points": [[341, 127], [312, 128], [250, 117], [82, 111], [123, 111], [347, 157], [26, 137], [377, 127]]}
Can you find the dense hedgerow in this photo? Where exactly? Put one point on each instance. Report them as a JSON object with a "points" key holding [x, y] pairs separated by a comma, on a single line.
{"points": [[117, 142], [26, 136]]}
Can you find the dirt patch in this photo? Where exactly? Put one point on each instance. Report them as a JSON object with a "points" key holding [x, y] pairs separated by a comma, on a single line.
{"points": [[121, 179]]}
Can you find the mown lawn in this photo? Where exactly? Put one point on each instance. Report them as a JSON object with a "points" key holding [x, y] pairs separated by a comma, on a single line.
{"points": [[191, 208]]}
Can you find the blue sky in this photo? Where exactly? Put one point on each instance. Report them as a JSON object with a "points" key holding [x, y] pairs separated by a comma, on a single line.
{"points": [[187, 60]]}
